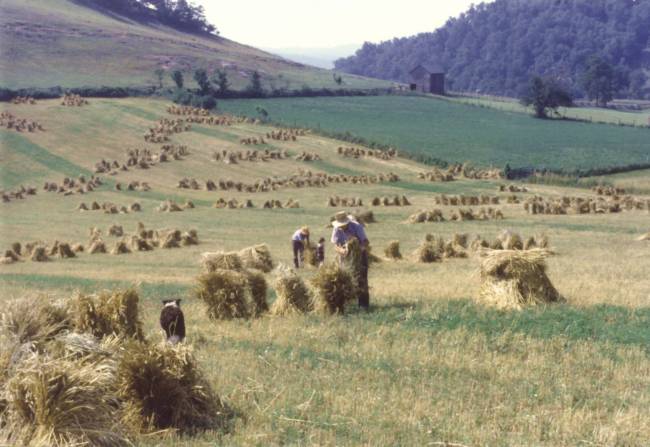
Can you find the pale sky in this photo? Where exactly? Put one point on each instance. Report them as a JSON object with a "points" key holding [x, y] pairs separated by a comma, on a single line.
{"points": [[326, 23]]}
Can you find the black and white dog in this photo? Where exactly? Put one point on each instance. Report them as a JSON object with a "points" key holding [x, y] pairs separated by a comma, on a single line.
{"points": [[172, 321]]}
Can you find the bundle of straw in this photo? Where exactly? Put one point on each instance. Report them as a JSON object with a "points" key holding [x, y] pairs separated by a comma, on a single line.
{"points": [[292, 295], [162, 387], [516, 278], [108, 313], [427, 253], [58, 402], [334, 287], [392, 250], [257, 257], [221, 260], [226, 293]]}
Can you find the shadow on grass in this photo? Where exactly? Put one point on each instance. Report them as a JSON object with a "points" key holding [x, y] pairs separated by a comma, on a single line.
{"points": [[602, 323], [71, 284]]}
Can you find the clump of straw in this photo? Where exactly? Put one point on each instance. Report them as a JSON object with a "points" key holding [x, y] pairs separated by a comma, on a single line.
{"points": [[58, 402], [334, 286], [108, 313], [225, 292], [293, 297], [309, 255], [161, 387], [257, 257], [427, 252], [392, 250], [221, 260], [97, 246], [39, 254], [516, 278]]}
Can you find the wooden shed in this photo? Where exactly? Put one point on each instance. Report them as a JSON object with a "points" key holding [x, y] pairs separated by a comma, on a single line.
{"points": [[428, 78]]}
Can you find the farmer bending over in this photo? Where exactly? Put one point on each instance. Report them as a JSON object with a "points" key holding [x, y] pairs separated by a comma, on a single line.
{"points": [[345, 229], [298, 241]]}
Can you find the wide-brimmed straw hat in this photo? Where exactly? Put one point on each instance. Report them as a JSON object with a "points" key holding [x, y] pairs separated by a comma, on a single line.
{"points": [[340, 219]]}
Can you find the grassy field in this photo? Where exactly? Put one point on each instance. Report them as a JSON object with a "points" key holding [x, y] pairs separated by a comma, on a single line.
{"points": [[82, 46], [428, 365], [591, 114], [457, 132], [631, 181]]}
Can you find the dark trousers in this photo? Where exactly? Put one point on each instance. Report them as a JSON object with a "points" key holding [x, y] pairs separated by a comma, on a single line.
{"points": [[298, 253], [364, 293]]}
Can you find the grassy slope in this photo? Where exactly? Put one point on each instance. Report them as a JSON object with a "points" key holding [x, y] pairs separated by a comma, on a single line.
{"points": [[457, 132], [57, 42], [428, 364]]}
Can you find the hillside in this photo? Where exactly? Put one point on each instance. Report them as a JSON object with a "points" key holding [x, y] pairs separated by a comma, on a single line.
{"points": [[494, 48], [47, 43], [431, 363], [456, 132]]}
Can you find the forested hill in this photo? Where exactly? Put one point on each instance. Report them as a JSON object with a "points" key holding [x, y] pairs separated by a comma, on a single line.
{"points": [[494, 48]]}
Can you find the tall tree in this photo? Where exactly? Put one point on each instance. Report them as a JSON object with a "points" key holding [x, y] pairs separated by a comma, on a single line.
{"points": [[221, 80], [599, 81], [545, 95], [159, 73], [201, 78], [177, 77], [255, 86]]}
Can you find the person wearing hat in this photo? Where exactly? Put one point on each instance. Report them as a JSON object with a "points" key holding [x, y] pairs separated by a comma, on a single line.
{"points": [[298, 241], [345, 228]]}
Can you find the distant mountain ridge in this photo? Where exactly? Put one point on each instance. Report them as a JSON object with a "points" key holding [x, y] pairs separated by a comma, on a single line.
{"points": [[322, 57], [495, 48]]}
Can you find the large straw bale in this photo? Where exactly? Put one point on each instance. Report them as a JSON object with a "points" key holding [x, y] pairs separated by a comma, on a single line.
{"points": [[33, 320], [226, 293], [293, 297], [59, 402], [257, 257], [108, 313], [161, 387], [515, 278], [221, 260], [334, 286]]}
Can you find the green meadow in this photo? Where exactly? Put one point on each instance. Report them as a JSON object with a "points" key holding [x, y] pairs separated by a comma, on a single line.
{"points": [[457, 132]]}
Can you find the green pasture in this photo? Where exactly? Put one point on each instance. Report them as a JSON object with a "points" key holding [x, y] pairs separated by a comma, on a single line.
{"points": [[459, 132]]}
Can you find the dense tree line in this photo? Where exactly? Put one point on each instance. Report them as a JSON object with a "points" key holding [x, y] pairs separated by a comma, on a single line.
{"points": [[497, 48], [179, 14]]}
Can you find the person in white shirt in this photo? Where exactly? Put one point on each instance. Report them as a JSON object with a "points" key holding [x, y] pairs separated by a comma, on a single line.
{"points": [[298, 241]]}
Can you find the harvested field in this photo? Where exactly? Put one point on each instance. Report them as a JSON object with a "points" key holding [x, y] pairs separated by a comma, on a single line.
{"points": [[275, 368]]}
